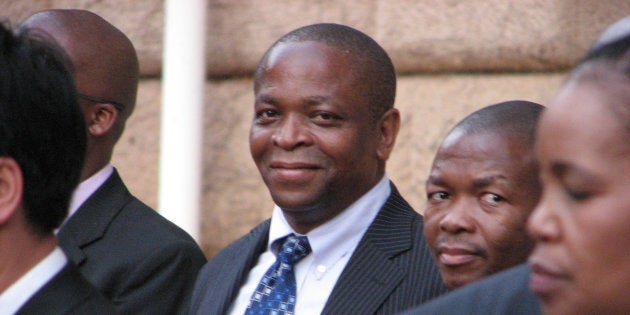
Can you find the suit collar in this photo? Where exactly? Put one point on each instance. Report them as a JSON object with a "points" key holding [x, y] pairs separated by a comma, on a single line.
{"points": [[93, 217], [395, 216]]}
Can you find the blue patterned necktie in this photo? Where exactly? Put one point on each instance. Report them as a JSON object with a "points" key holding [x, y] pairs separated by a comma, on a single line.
{"points": [[275, 294]]}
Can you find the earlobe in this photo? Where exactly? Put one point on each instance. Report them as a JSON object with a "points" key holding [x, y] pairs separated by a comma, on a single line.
{"points": [[389, 126], [11, 188], [102, 118]]}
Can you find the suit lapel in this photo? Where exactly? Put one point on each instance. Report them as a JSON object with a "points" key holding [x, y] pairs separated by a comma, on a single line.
{"points": [[236, 268], [93, 217], [371, 275]]}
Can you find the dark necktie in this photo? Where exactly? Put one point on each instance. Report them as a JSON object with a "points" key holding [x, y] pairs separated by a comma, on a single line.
{"points": [[275, 294]]}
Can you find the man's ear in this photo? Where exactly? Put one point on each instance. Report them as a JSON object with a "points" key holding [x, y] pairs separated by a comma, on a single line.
{"points": [[389, 125], [11, 188], [101, 118]]}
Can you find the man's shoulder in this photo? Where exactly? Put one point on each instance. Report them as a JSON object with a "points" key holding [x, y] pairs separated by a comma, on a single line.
{"points": [[145, 220], [126, 225], [68, 292], [111, 211], [134, 216], [506, 292]]}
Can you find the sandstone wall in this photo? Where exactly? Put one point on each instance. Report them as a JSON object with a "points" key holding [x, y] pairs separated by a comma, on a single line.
{"points": [[452, 57]]}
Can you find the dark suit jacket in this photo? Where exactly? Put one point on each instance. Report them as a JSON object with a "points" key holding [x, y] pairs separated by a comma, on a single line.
{"points": [[503, 293], [144, 263], [67, 293], [390, 270]]}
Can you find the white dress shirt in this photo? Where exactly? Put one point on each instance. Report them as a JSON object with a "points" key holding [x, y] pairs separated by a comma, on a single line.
{"points": [[332, 245], [13, 298]]}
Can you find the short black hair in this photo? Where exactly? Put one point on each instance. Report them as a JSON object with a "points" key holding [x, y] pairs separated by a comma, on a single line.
{"points": [[510, 117], [373, 64], [41, 124]]}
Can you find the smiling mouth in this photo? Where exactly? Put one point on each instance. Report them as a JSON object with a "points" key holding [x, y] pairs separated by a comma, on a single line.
{"points": [[292, 166], [293, 172]]}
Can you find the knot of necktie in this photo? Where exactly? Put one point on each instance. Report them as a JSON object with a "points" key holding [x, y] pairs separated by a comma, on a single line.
{"points": [[294, 249], [275, 293]]}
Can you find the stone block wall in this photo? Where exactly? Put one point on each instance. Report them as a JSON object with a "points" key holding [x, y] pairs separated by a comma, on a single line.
{"points": [[452, 57]]}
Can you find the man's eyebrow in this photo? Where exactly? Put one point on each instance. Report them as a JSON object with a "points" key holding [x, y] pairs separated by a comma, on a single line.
{"points": [[435, 180], [486, 181], [264, 98], [316, 100], [309, 100]]}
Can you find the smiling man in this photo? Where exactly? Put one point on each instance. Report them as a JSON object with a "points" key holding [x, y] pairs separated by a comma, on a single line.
{"points": [[323, 127], [482, 186]]}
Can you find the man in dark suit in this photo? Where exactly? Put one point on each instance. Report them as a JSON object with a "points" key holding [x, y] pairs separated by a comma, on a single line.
{"points": [[134, 256], [42, 146], [323, 128]]}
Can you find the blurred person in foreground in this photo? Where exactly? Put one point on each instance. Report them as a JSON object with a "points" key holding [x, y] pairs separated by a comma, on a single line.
{"points": [[581, 262], [42, 146]]}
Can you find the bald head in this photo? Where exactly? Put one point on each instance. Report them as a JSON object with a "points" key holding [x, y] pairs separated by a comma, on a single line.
{"points": [[105, 70], [104, 59], [511, 117]]}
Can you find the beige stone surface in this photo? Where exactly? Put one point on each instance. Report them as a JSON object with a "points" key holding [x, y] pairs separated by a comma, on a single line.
{"points": [[429, 35], [12, 12], [137, 153], [421, 36], [492, 35]]}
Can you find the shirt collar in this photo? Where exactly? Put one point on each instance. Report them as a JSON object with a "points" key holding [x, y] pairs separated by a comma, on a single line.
{"points": [[87, 187], [343, 232], [13, 298]]}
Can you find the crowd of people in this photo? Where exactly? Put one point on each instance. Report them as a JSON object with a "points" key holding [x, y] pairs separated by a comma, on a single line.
{"points": [[525, 212]]}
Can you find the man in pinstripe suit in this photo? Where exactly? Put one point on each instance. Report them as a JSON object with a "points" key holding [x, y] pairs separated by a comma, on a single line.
{"points": [[323, 128]]}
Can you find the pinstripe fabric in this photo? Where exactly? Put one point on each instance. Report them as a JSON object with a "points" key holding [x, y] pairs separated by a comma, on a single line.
{"points": [[220, 279], [390, 271]]}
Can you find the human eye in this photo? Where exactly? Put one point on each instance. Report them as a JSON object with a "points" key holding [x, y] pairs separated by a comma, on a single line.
{"points": [[325, 118], [576, 194], [266, 116], [438, 196], [492, 199], [578, 185]]}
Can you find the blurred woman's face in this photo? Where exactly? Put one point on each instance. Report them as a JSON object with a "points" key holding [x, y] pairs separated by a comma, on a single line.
{"points": [[581, 262]]}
